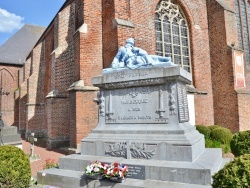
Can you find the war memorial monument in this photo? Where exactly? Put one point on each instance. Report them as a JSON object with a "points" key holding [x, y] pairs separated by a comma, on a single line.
{"points": [[143, 123]]}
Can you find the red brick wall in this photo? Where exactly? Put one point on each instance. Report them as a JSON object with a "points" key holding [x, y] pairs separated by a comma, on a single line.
{"points": [[110, 43], [91, 42], [58, 122], [88, 63], [9, 83], [57, 71], [35, 102], [16, 108], [49, 47], [27, 69], [64, 64], [225, 97], [84, 115], [60, 75], [22, 94], [22, 106], [244, 118]]}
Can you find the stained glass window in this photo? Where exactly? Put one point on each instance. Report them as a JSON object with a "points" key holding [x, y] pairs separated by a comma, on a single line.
{"points": [[172, 35]]}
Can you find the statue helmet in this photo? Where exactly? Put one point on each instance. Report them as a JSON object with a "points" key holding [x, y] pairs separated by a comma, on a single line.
{"points": [[130, 40]]}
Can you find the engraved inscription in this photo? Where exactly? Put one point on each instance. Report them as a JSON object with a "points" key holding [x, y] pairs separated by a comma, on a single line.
{"points": [[119, 75], [135, 109], [133, 117], [182, 103], [138, 101], [136, 172], [138, 74], [144, 82], [137, 105]]}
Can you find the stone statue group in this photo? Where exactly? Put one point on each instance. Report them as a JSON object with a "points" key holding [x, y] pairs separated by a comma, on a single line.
{"points": [[133, 57]]}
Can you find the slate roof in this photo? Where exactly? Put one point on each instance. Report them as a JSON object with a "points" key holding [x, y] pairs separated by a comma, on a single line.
{"points": [[15, 50]]}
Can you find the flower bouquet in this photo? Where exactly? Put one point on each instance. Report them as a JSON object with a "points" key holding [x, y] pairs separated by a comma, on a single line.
{"points": [[95, 170], [116, 172]]}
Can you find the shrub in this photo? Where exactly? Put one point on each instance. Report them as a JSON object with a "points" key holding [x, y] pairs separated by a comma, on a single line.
{"points": [[209, 143], [235, 174], [14, 167], [212, 127], [203, 130], [222, 134], [240, 143]]}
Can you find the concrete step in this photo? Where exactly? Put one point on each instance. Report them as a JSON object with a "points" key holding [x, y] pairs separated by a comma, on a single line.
{"points": [[11, 139], [76, 179], [199, 171], [8, 130]]}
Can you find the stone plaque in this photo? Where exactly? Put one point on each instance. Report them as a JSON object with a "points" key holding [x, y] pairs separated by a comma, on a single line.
{"points": [[136, 172], [137, 105], [182, 103]]}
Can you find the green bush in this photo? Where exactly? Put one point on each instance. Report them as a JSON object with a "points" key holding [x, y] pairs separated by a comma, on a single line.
{"points": [[235, 174], [222, 134], [14, 168], [212, 127], [203, 130], [209, 143], [240, 143]]}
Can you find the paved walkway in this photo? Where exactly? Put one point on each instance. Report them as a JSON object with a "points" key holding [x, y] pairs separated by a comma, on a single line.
{"points": [[44, 154]]}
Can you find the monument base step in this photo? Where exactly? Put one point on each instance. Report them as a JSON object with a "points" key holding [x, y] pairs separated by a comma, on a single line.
{"points": [[69, 178], [10, 139], [198, 172]]}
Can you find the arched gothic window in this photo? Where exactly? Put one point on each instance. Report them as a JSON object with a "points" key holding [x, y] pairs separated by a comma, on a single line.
{"points": [[243, 21], [172, 34]]}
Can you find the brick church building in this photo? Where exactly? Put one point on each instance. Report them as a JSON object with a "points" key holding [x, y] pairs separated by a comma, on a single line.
{"points": [[12, 57], [208, 38]]}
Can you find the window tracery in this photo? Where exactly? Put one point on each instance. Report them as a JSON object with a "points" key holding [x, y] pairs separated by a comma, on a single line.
{"points": [[172, 34]]}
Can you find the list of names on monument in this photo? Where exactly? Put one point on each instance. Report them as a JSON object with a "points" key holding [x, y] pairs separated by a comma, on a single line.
{"points": [[183, 103], [136, 172]]}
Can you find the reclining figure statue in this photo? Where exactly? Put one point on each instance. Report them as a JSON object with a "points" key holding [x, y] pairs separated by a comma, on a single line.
{"points": [[132, 57]]}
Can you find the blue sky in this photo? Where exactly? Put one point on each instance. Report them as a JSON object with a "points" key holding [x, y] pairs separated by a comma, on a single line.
{"points": [[15, 13]]}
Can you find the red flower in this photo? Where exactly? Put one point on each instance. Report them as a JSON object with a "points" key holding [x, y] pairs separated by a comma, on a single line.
{"points": [[116, 169], [103, 164], [116, 164], [105, 171]]}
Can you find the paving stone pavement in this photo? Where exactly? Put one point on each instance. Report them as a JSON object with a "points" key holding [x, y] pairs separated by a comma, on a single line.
{"points": [[44, 154]]}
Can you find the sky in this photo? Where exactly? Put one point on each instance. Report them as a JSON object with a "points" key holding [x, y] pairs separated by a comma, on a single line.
{"points": [[14, 14]]}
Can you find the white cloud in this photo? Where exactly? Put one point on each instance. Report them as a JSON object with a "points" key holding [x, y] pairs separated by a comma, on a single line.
{"points": [[9, 21]]}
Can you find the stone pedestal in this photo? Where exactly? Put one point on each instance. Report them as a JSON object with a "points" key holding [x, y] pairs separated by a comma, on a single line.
{"points": [[143, 123], [9, 136], [144, 115]]}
